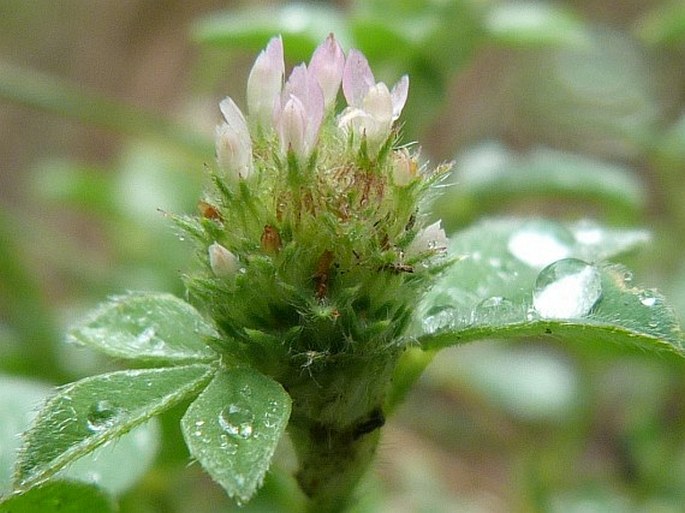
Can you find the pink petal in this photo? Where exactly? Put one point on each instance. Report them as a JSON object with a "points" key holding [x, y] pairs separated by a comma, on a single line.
{"points": [[327, 65], [399, 96], [304, 86], [291, 127], [357, 78], [265, 81]]}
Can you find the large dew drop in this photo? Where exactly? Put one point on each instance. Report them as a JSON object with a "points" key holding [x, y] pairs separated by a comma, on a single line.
{"points": [[567, 289], [539, 243], [237, 421], [102, 415]]}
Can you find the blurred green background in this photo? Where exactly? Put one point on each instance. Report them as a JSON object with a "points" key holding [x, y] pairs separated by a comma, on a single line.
{"points": [[568, 109]]}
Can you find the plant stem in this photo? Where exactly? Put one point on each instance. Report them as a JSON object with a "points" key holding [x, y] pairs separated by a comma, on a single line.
{"points": [[337, 413]]}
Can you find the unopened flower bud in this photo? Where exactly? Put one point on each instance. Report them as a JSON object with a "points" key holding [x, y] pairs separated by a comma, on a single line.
{"points": [[265, 82], [222, 261], [299, 113], [404, 168], [431, 239], [291, 127], [233, 143], [327, 65]]}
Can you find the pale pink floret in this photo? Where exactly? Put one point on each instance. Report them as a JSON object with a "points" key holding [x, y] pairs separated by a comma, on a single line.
{"points": [[233, 143], [298, 114], [292, 126], [265, 82], [372, 108], [327, 65]]}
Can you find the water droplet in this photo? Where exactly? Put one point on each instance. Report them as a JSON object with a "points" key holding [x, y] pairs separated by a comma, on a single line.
{"points": [[495, 308], [237, 421], [567, 289], [647, 298], [539, 243], [103, 415], [228, 446], [495, 262], [439, 318]]}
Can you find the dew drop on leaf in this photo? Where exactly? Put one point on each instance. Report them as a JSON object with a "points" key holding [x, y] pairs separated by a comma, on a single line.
{"points": [[102, 415], [567, 289], [237, 421], [439, 318], [647, 298], [539, 243], [494, 309]]}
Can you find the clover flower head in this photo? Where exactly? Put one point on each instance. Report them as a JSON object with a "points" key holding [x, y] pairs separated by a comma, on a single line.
{"points": [[320, 212]]}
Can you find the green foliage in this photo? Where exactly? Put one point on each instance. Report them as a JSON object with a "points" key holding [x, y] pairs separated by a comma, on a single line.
{"points": [[115, 468], [530, 278], [233, 428], [490, 178], [91, 412], [59, 497], [156, 328]]}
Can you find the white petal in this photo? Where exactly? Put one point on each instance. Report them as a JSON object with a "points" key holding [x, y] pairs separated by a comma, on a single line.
{"points": [[233, 143], [399, 95], [431, 239]]}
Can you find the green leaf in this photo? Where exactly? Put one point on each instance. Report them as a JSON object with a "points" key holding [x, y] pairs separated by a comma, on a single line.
{"points": [[530, 278], [490, 177], [19, 399], [534, 23], [303, 27], [86, 414], [119, 467], [153, 327], [59, 497], [114, 468], [234, 426]]}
